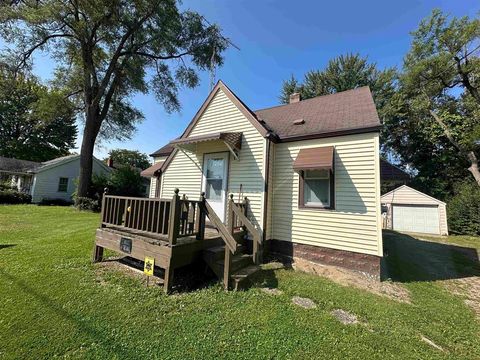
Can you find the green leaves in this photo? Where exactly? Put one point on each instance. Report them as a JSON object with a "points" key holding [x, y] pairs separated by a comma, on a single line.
{"points": [[125, 157], [36, 123], [344, 73]]}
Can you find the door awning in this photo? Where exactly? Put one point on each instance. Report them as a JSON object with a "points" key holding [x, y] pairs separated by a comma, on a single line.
{"points": [[233, 141], [314, 158], [152, 170]]}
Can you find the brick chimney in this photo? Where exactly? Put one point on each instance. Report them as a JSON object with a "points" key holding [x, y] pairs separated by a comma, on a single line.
{"points": [[294, 98], [110, 162]]}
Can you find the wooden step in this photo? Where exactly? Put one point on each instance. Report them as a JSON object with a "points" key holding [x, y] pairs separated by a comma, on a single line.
{"points": [[243, 274], [238, 261], [218, 252]]}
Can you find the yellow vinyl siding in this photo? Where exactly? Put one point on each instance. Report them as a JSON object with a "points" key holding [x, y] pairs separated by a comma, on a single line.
{"points": [[185, 172], [355, 224], [153, 179]]}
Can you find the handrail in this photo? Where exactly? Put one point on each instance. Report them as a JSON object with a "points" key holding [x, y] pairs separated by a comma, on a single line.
{"points": [[134, 198], [235, 213], [222, 229], [247, 223]]}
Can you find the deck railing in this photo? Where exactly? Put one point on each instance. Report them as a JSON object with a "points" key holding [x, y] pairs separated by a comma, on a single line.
{"points": [[180, 217], [174, 218]]}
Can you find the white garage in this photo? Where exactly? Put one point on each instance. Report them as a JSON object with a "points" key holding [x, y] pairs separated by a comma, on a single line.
{"points": [[409, 210]]}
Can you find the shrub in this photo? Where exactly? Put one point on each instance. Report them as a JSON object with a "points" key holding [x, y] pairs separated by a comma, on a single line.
{"points": [[464, 209], [85, 203], [14, 197], [7, 185], [125, 181], [56, 202]]}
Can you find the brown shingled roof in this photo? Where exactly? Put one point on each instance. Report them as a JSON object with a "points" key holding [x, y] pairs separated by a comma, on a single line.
{"points": [[163, 151], [350, 110]]}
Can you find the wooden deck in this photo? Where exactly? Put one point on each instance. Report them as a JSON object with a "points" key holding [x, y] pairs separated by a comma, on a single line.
{"points": [[173, 232]]}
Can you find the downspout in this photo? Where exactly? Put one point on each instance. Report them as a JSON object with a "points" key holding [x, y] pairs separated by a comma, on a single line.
{"points": [[266, 185]]}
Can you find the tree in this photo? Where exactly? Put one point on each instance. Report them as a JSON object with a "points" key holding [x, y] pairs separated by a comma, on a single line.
{"points": [[133, 158], [36, 123], [437, 130], [342, 73], [108, 49]]}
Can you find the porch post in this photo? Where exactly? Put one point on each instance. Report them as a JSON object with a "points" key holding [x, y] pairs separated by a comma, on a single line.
{"points": [[200, 221], [174, 218]]}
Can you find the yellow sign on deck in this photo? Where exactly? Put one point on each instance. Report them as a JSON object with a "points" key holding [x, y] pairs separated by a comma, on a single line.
{"points": [[149, 265]]}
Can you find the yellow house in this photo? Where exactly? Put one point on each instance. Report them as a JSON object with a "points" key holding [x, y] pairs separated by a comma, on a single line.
{"points": [[310, 171]]}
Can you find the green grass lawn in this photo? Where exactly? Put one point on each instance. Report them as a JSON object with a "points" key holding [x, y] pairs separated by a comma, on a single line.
{"points": [[56, 303]]}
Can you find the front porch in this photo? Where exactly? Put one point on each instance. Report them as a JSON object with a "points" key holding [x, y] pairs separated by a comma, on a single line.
{"points": [[177, 232]]}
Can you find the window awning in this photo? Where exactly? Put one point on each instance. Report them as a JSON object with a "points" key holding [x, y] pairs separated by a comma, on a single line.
{"points": [[233, 141], [314, 158], [150, 172]]}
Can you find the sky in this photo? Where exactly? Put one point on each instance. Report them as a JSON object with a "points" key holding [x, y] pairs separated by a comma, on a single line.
{"points": [[278, 39]]}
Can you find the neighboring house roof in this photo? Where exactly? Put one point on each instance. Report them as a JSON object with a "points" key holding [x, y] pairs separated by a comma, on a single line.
{"points": [[404, 188], [151, 171], [350, 111], [55, 162], [17, 166], [391, 172], [163, 151], [31, 167]]}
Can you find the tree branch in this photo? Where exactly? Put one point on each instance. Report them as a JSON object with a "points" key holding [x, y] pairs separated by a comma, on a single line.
{"points": [[156, 57], [466, 81], [27, 54]]}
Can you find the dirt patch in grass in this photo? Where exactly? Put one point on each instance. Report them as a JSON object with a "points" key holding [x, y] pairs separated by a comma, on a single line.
{"points": [[469, 289], [306, 303], [351, 278], [345, 317], [272, 291]]}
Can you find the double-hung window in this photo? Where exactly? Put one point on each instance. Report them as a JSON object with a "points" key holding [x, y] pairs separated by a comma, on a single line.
{"points": [[316, 188], [316, 170], [63, 184]]}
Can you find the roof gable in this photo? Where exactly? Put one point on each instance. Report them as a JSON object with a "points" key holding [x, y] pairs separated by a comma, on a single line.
{"points": [[406, 189], [47, 165], [220, 87]]}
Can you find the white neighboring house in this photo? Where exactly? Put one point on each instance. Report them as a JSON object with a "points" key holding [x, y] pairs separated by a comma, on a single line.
{"points": [[54, 179]]}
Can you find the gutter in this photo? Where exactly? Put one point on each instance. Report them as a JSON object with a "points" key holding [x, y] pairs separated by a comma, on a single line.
{"points": [[320, 135]]}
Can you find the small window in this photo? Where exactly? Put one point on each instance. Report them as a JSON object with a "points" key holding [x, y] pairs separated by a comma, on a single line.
{"points": [[316, 189], [63, 184]]}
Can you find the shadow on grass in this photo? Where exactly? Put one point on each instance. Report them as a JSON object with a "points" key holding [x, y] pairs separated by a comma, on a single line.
{"points": [[4, 246], [409, 259], [95, 335], [186, 279]]}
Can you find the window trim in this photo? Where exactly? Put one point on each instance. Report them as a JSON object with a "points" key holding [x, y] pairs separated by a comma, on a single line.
{"points": [[58, 187], [301, 192]]}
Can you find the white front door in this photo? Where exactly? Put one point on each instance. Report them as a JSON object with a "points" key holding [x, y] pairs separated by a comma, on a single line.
{"points": [[215, 179]]}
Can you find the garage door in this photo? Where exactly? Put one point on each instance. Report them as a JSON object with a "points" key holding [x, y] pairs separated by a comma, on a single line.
{"points": [[416, 218]]}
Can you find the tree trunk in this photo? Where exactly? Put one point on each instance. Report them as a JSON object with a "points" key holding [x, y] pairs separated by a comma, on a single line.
{"points": [[474, 166], [469, 154], [86, 153]]}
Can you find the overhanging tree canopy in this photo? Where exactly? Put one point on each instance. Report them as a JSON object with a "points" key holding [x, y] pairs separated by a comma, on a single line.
{"points": [[36, 123], [108, 49]]}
